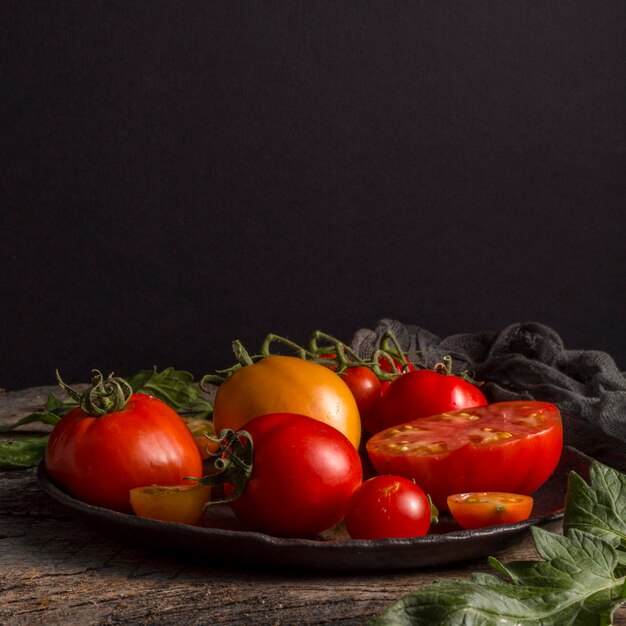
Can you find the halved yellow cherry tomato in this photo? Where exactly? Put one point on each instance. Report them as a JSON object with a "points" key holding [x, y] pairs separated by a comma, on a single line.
{"points": [[489, 508], [201, 429], [178, 503]]}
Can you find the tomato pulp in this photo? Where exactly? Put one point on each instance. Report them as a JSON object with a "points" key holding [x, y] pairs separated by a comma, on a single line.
{"points": [[506, 446], [489, 508]]}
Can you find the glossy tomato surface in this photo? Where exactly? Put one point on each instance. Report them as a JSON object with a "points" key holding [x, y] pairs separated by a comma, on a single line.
{"points": [[365, 387], [286, 384], [421, 393], [489, 508], [100, 459], [304, 472], [183, 504], [388, 506], [507, 446]]}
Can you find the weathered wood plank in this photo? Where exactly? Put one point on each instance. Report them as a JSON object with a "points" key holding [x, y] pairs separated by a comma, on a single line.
{"points": [[55, 570]]}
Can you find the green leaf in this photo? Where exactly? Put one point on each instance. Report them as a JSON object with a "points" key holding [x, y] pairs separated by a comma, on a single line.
{"points": [[22, 453], [175, 388], [598, 508], [579, 581]]}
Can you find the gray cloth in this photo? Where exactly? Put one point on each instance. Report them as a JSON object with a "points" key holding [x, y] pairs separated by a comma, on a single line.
{"points": [[528, 361]]}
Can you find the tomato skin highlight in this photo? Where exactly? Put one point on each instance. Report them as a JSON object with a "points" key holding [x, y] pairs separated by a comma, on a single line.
{"points": [[511, 447], [286, 384], [422, 393], [388, 507], [183, 504], [304, 472], [100, 459], [489, 508]]}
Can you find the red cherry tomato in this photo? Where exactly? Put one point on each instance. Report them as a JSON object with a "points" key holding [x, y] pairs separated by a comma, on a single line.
{"points": [[365, 387], [507, 446], [304, 472], [388, 506], [100, 459], [422, 393], [489, 508]]}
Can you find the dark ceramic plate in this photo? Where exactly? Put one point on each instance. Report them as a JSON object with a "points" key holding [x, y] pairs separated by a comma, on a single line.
{"points": [[221, 535]]}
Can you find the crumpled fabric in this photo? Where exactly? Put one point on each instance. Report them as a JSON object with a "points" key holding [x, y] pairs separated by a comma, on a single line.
{"points": [[528, 361]]}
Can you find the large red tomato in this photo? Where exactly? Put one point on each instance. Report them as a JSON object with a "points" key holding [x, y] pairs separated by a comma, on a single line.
{"points": [[286, 384], [507, 446], [100, 459], [303, 474], [421, 393]]}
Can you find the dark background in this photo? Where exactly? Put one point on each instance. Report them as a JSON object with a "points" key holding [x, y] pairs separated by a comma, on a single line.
{"points": [[176, 175]]}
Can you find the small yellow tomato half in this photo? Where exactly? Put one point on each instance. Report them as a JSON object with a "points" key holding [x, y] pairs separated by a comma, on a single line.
{"points": [[177, 503]]}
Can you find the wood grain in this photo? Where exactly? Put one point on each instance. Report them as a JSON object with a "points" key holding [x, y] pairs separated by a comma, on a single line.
{"points": [[55, 570]]}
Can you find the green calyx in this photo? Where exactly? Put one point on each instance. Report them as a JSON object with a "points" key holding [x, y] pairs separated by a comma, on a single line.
{"points": [[445, 369], [108, 395], [233, 462]]}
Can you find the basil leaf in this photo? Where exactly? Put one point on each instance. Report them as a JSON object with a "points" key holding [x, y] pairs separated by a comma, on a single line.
{"points": [[22, 453], [581, 579]]}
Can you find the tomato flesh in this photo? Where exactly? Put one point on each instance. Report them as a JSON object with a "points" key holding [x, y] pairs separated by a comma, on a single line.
{"points": [[180, 503], [388, 506], [507, 446], [489, 508]]}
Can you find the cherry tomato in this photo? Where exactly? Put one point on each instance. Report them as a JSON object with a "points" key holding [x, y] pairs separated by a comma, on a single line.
{"points": [[507, 446], [422, 393], [489, 508], [180, 503], [388, 506], [100, 459], [365, 387], [287, 384], [303, 474], [398, 366]]}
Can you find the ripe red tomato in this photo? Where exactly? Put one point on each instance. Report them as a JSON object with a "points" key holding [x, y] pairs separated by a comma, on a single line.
{"points": [[388, 506], [365, 387], [304, 472], [100, 459], [422, 393], [489, 508], [507, 446]]}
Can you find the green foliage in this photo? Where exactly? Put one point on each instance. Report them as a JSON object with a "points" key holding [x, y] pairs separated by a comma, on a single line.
{"points": [[580, 580]]}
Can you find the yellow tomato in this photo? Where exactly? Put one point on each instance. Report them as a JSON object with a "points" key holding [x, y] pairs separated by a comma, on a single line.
{"points": [[287, 384], [202, 429], [178, 503]]}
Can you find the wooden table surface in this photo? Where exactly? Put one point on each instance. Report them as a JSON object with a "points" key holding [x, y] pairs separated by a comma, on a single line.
{"points": [[56, 570]]}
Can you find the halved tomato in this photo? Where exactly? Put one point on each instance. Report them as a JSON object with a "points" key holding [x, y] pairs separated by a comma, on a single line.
{"points": [[177, 503], [489, 508], [506, 446]]}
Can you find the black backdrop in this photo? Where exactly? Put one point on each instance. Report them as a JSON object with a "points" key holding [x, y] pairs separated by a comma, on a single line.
{"points": [[179, 174]]}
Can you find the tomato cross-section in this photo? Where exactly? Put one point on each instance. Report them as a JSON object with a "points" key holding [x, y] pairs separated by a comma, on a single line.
{"points": [[506, 446]]}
